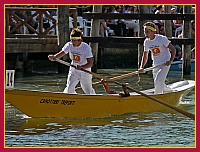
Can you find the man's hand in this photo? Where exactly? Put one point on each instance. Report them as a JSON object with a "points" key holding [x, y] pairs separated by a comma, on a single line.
{"points": [[51, 57], [168, 63], [78, 67], [141, 70]]}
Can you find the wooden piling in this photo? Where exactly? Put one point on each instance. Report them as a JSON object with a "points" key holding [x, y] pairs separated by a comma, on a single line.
{"points": [[63, 25], [63, 30], [143, 10], [73, 12], [95, 33], [186, 53], [168, 23]]}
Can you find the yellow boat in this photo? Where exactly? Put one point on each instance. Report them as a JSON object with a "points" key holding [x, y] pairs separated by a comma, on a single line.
{"points": [[45, 104]]}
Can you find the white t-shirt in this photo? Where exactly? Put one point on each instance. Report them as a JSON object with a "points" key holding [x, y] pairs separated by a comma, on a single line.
{"points": [[158, 47], [79, 54]]}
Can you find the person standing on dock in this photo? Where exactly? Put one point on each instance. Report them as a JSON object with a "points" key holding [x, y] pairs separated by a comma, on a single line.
{"points": [[160, 48], [81, 55]]}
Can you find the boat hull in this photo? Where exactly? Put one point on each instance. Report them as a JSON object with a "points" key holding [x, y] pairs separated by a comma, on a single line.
{"points": [[59, 105]]}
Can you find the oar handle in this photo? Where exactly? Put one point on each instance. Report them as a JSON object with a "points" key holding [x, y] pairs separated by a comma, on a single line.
{"points": [[132, 73], [63, 62]]}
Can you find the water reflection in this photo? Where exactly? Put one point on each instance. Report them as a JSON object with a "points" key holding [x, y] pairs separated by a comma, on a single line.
{"points": [[127, 130], [26, 125]]}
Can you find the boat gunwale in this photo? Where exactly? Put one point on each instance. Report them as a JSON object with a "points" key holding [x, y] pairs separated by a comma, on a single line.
{"points": [[190, 86]]}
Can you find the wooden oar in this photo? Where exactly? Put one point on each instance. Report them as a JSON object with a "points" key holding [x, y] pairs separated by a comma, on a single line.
{"points": [[185, 113], [124, 75]]}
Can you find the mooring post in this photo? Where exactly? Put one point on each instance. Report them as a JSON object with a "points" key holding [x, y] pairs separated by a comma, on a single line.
{"points": [[168, 23], [143, 10], [95, 33], [186, 49], [63, 25], [63, 29]]}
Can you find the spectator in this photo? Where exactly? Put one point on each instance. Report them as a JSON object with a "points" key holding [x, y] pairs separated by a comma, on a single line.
{"points": [[117, 25], [153, 9], [110, 22], [120, 23], [193, 28], [103, 32], [177, 25], [132, 25], [193, 10], [52, 12], [159, 23], [46, 23]]}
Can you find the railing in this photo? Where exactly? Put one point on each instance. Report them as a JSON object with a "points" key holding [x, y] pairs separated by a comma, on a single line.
{"points": [[17, 26], [17, 22], [187, 17], [128, 42]]}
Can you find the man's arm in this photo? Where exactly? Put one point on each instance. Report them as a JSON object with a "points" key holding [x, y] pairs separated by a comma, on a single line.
{"points": [[173, 53], [89, 64], [57, 55], [143, 62]]}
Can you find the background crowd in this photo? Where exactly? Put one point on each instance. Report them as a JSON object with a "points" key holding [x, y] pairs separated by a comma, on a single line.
{"points": [[108, 27]]}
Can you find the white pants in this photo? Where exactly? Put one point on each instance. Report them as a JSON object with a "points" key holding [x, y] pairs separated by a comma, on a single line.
{"points": [[159, 76], [76, 76]]}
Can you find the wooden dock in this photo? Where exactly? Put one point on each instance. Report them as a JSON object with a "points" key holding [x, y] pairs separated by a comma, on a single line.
{"points": [[41, 42]]}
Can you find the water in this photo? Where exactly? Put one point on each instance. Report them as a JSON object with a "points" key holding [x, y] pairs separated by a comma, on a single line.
{"points": [[130, 130]]}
